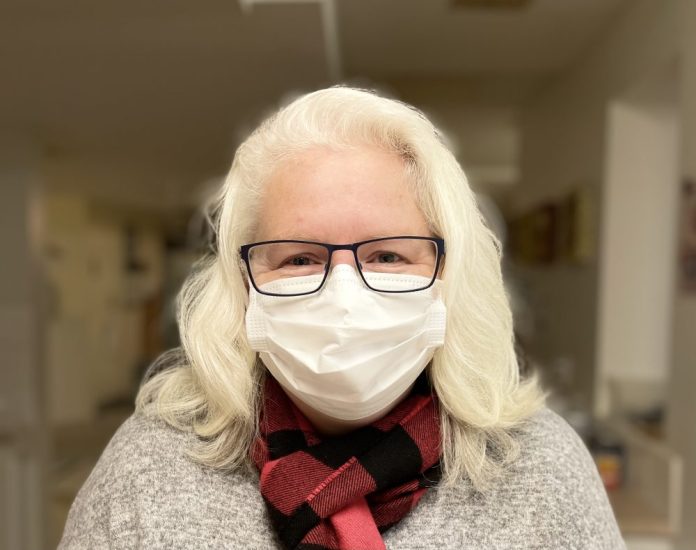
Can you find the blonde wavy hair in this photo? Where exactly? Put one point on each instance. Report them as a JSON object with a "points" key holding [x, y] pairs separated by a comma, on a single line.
{"points": [[215, 390]]}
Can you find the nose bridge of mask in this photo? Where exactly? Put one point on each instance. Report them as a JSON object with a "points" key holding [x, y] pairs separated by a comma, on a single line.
{"points": [[344, 289], [343, 276]]}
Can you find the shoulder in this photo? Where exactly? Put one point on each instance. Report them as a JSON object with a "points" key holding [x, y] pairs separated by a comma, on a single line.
{"points": [[550, 497], [548, 443], [558, 477], [145, 490]]}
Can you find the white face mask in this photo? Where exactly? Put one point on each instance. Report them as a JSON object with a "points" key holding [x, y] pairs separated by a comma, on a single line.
{"points": [[346, 351]]}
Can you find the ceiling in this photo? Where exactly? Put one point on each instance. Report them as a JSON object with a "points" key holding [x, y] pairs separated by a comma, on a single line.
{"points": [[430, 37], [178, 82]]}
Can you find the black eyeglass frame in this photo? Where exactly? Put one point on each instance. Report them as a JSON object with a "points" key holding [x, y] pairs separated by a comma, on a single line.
{"points": [[331, 248]]}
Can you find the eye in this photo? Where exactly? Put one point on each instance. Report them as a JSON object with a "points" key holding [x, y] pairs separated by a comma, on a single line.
{"points": [[300, 260], [387, 257], [384, 257]]}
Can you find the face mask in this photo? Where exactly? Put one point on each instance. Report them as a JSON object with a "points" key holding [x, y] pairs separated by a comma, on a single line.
{"points": [[347, 351]]}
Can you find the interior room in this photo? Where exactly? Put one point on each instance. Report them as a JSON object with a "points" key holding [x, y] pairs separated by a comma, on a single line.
{"points": [[574, 121]]}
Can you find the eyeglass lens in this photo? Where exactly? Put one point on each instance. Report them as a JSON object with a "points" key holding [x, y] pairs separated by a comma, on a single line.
{"points": [[273, 261]]}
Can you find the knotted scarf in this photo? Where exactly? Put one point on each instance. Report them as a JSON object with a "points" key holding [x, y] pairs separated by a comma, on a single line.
{"points": [[343, 492]]}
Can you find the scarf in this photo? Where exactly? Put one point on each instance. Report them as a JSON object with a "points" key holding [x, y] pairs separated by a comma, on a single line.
{"points": [[343, 492]]}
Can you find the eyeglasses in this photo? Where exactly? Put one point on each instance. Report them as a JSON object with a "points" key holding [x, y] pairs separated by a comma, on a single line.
{"points": [[270, 261]]}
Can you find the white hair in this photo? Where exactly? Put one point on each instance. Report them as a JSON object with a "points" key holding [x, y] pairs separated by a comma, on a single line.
{"points": [[216, 391]]}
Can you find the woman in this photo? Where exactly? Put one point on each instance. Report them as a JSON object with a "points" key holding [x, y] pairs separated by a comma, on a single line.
{"points": [[348, 377]]}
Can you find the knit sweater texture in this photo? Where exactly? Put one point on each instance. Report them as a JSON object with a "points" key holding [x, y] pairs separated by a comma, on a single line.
{"points": [[145, 492]]}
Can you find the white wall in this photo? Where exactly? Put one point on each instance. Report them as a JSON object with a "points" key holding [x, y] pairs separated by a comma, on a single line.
{"points": [[636, 267]]}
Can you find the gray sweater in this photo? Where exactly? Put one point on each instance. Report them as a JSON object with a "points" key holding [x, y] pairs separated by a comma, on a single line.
{"points": [[145, 493]]}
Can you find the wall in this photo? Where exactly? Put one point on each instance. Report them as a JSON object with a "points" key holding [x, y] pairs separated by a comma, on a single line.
{"points": [[142, 186], [563, 147], [681, 428], [22, 434], [479, 117], [565, 139], [95, 319], [636, 268]]}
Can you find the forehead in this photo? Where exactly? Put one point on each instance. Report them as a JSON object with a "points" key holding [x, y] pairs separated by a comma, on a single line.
{"points": [[340, 196]]}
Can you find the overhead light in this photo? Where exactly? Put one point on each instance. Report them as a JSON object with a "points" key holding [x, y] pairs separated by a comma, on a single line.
{"points": [[493, 4]]}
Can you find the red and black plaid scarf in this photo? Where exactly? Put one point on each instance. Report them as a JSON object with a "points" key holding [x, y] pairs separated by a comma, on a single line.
{"points": [[343, 492]]}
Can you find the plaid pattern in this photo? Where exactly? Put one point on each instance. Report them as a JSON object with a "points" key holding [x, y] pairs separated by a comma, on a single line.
{"points": [[341, 493]]}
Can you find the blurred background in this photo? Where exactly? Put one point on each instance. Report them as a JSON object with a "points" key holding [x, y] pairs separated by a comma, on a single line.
{"points": [[575, 121]]}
